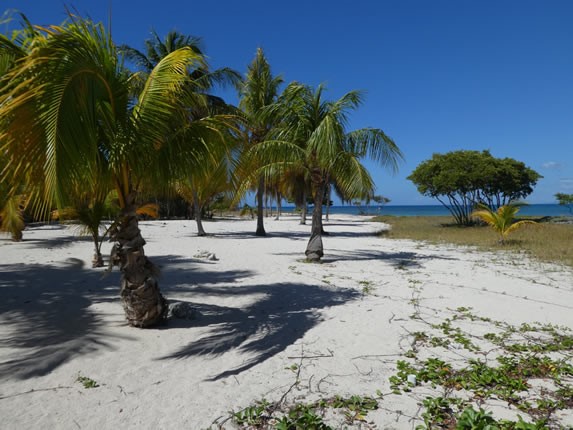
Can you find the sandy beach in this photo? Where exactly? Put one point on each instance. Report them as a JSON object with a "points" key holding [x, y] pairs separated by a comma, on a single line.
{"points": [[267, 325]]}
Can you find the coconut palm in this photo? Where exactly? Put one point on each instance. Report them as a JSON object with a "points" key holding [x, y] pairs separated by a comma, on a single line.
{"points": [[156, 48], [200, 83], [89, 213], [68, 118], [502, 221], [200, 189], [202, 79], [314, 138], [258, 91], [12, 205]]}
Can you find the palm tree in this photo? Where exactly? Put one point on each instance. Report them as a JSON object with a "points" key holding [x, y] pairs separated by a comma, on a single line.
{"points": [[201, 81], [258, 91], [502, 221], [12, 205], [156, 48], [67, 118], [12, 213], [199, 189], [89, 212], [314, 138]]}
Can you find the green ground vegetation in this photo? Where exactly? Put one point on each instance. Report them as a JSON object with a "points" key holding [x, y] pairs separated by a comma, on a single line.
{"points": [[548, 241]]}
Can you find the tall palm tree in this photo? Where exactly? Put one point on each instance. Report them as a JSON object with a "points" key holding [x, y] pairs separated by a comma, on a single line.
{"points": [[67, 117], [257, 92], [314, 138], [200, 83]]}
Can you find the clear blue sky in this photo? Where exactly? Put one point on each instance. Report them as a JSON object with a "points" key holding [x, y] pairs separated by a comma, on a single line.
{"points": [[439, 75]]}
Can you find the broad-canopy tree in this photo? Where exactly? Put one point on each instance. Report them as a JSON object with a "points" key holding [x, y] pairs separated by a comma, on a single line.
{"points": [[314, 139], [67, 117], [460, 180], [565, 200]]}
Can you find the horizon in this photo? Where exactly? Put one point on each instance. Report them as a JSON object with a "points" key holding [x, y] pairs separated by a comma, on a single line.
{"points": [[438, 76]]}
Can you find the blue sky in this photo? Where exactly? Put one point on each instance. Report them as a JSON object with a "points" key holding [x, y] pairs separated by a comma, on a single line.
{"points": [[439, 75]]}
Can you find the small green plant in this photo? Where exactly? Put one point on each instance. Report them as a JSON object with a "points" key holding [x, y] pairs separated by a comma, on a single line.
{"points": [[302, 417], [358, 407], [252, 415], [471, 419], [438, 412], [87, 382], [367, 287]]}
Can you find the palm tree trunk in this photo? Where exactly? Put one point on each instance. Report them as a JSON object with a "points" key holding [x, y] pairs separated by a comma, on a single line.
{"points": [[303, 209], [197, 211], [329, 192], [260, 218], [279, 198], [97, 260], [142, 301], [314, 249]]}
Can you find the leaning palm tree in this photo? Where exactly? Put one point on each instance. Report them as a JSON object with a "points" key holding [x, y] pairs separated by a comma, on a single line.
{"points": [[67, 117], [258, 91], [314, 138], [502, 221]]}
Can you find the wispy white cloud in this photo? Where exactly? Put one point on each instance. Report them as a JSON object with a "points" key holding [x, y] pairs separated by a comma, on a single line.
{"points": [[552, 165], [566, 183]]}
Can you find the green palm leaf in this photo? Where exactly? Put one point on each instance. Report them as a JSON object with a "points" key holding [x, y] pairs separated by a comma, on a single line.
{"points": [[503, 220]]}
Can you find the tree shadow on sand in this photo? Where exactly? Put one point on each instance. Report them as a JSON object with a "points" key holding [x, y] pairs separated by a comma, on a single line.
{"points": [[268, 326], [400, 260], [397, 259], [47, 311], [47, 317]]}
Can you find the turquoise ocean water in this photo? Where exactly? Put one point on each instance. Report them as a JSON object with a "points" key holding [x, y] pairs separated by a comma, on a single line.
{"points": [[437, 210]]}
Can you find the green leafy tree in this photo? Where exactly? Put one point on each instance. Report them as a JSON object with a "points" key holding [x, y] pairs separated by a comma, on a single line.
{"points": [[314, 139], [502, 220], [565, 200], [68, 117], [460, 180]]}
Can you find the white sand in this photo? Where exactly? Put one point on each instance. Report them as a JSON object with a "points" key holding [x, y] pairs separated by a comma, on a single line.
{"points": [[261, 309]]}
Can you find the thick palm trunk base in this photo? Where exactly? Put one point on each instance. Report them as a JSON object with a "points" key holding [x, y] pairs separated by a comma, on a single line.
{"points": [[97, 260], [197, 211], [142, 301], [314, 249]]}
